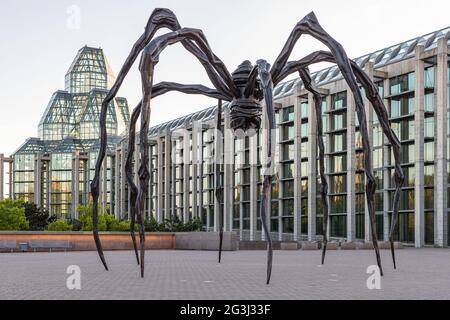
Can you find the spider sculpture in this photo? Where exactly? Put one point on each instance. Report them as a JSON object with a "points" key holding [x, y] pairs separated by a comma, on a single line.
{"points": [[245, 90]]}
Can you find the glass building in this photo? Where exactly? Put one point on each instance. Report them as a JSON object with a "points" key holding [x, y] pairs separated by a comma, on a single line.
{"points": [[54, 170], [412, 78]]}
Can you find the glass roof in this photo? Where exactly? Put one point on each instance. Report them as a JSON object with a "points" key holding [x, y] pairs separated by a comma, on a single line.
{"points": [[67, 145]]}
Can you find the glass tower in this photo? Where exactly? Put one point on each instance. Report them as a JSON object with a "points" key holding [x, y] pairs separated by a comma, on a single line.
{"points": [[55, 169]]}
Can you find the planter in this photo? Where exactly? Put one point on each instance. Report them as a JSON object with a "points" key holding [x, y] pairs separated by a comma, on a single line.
{"points": [[84, 241], [205, 241]]}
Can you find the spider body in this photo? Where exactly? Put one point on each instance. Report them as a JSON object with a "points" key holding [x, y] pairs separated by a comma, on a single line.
{"points": [[245, 109], [249, 91]]}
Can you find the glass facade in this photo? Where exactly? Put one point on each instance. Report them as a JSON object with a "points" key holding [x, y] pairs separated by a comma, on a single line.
{"points": [[64, 156], [291, 210], [60, 163]]}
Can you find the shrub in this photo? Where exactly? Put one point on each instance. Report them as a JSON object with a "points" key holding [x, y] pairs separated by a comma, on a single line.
{"points": [[122, 226], [12, 215], [85, 214], [106, 222], [173, 225], [38, 218], [76, 224], [59, 225], [153, 226], [193, 225]]}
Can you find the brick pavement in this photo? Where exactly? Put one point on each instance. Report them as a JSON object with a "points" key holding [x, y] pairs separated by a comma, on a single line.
{"points": [[192, 275]]}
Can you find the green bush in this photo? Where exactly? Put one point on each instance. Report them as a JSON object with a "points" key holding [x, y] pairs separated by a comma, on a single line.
{"points": [[106, 222], [60, 225], [153, 226], [122, 226], [76, 224], [38, 218], [193, 225], [173, 225], [85, 214], [12, 215]]}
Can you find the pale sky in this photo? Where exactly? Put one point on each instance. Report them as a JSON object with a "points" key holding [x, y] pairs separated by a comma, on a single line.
{"points": [[37, 46]]}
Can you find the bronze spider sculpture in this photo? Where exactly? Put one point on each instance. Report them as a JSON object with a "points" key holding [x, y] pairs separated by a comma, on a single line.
{"points": [[245, 90]]}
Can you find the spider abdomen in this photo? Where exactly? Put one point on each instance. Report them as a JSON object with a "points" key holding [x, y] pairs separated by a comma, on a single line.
{"points": [[245, 114]]}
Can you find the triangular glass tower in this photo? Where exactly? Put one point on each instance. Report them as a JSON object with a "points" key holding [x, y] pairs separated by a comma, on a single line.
{"points": [[63, 156]]}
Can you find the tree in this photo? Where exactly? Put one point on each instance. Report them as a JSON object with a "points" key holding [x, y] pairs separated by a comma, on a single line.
{"points": [[12, 215], [38, 218]]}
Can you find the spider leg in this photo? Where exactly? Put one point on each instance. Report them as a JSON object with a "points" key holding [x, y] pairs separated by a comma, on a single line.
{"points": [[219, 185], [269, 117], [129, 173], [149, 59], [158, 89], [310, 25], [160, 18], [383, 116], [306, 78]]}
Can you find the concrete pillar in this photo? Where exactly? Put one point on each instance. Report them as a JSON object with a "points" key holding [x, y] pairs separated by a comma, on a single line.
{"points": [[351, 166], [150, 182], [104, 182], [6, 164], [241, 174], [122, 177], [167, 175], [328, 159], [200, 172], [2, 177], [75, 183], [312, 168], [217, 159], [116, 184], [254, 178], [186, 173], [159, 211], [11, 179], [210, 162], [441, 175], [38, 179], [175, 161], [297, 170], [228, 174], [281, 192], [369, 115], [419, 218], [386, 175], [196, 148]]}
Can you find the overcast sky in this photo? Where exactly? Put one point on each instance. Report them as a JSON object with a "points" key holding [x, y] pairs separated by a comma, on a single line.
{"points": [[38, 44]]}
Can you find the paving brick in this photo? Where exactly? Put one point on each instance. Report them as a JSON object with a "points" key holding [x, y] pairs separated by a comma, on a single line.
{"points": [[196, 275]]}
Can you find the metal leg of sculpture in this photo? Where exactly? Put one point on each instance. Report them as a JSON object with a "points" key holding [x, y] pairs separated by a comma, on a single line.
{"points": [[160, 18], [158, 90], [129, 174], [146, 69], [269, 118], [219, 184], [310, 25], [150, 58], [306, 78]]}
